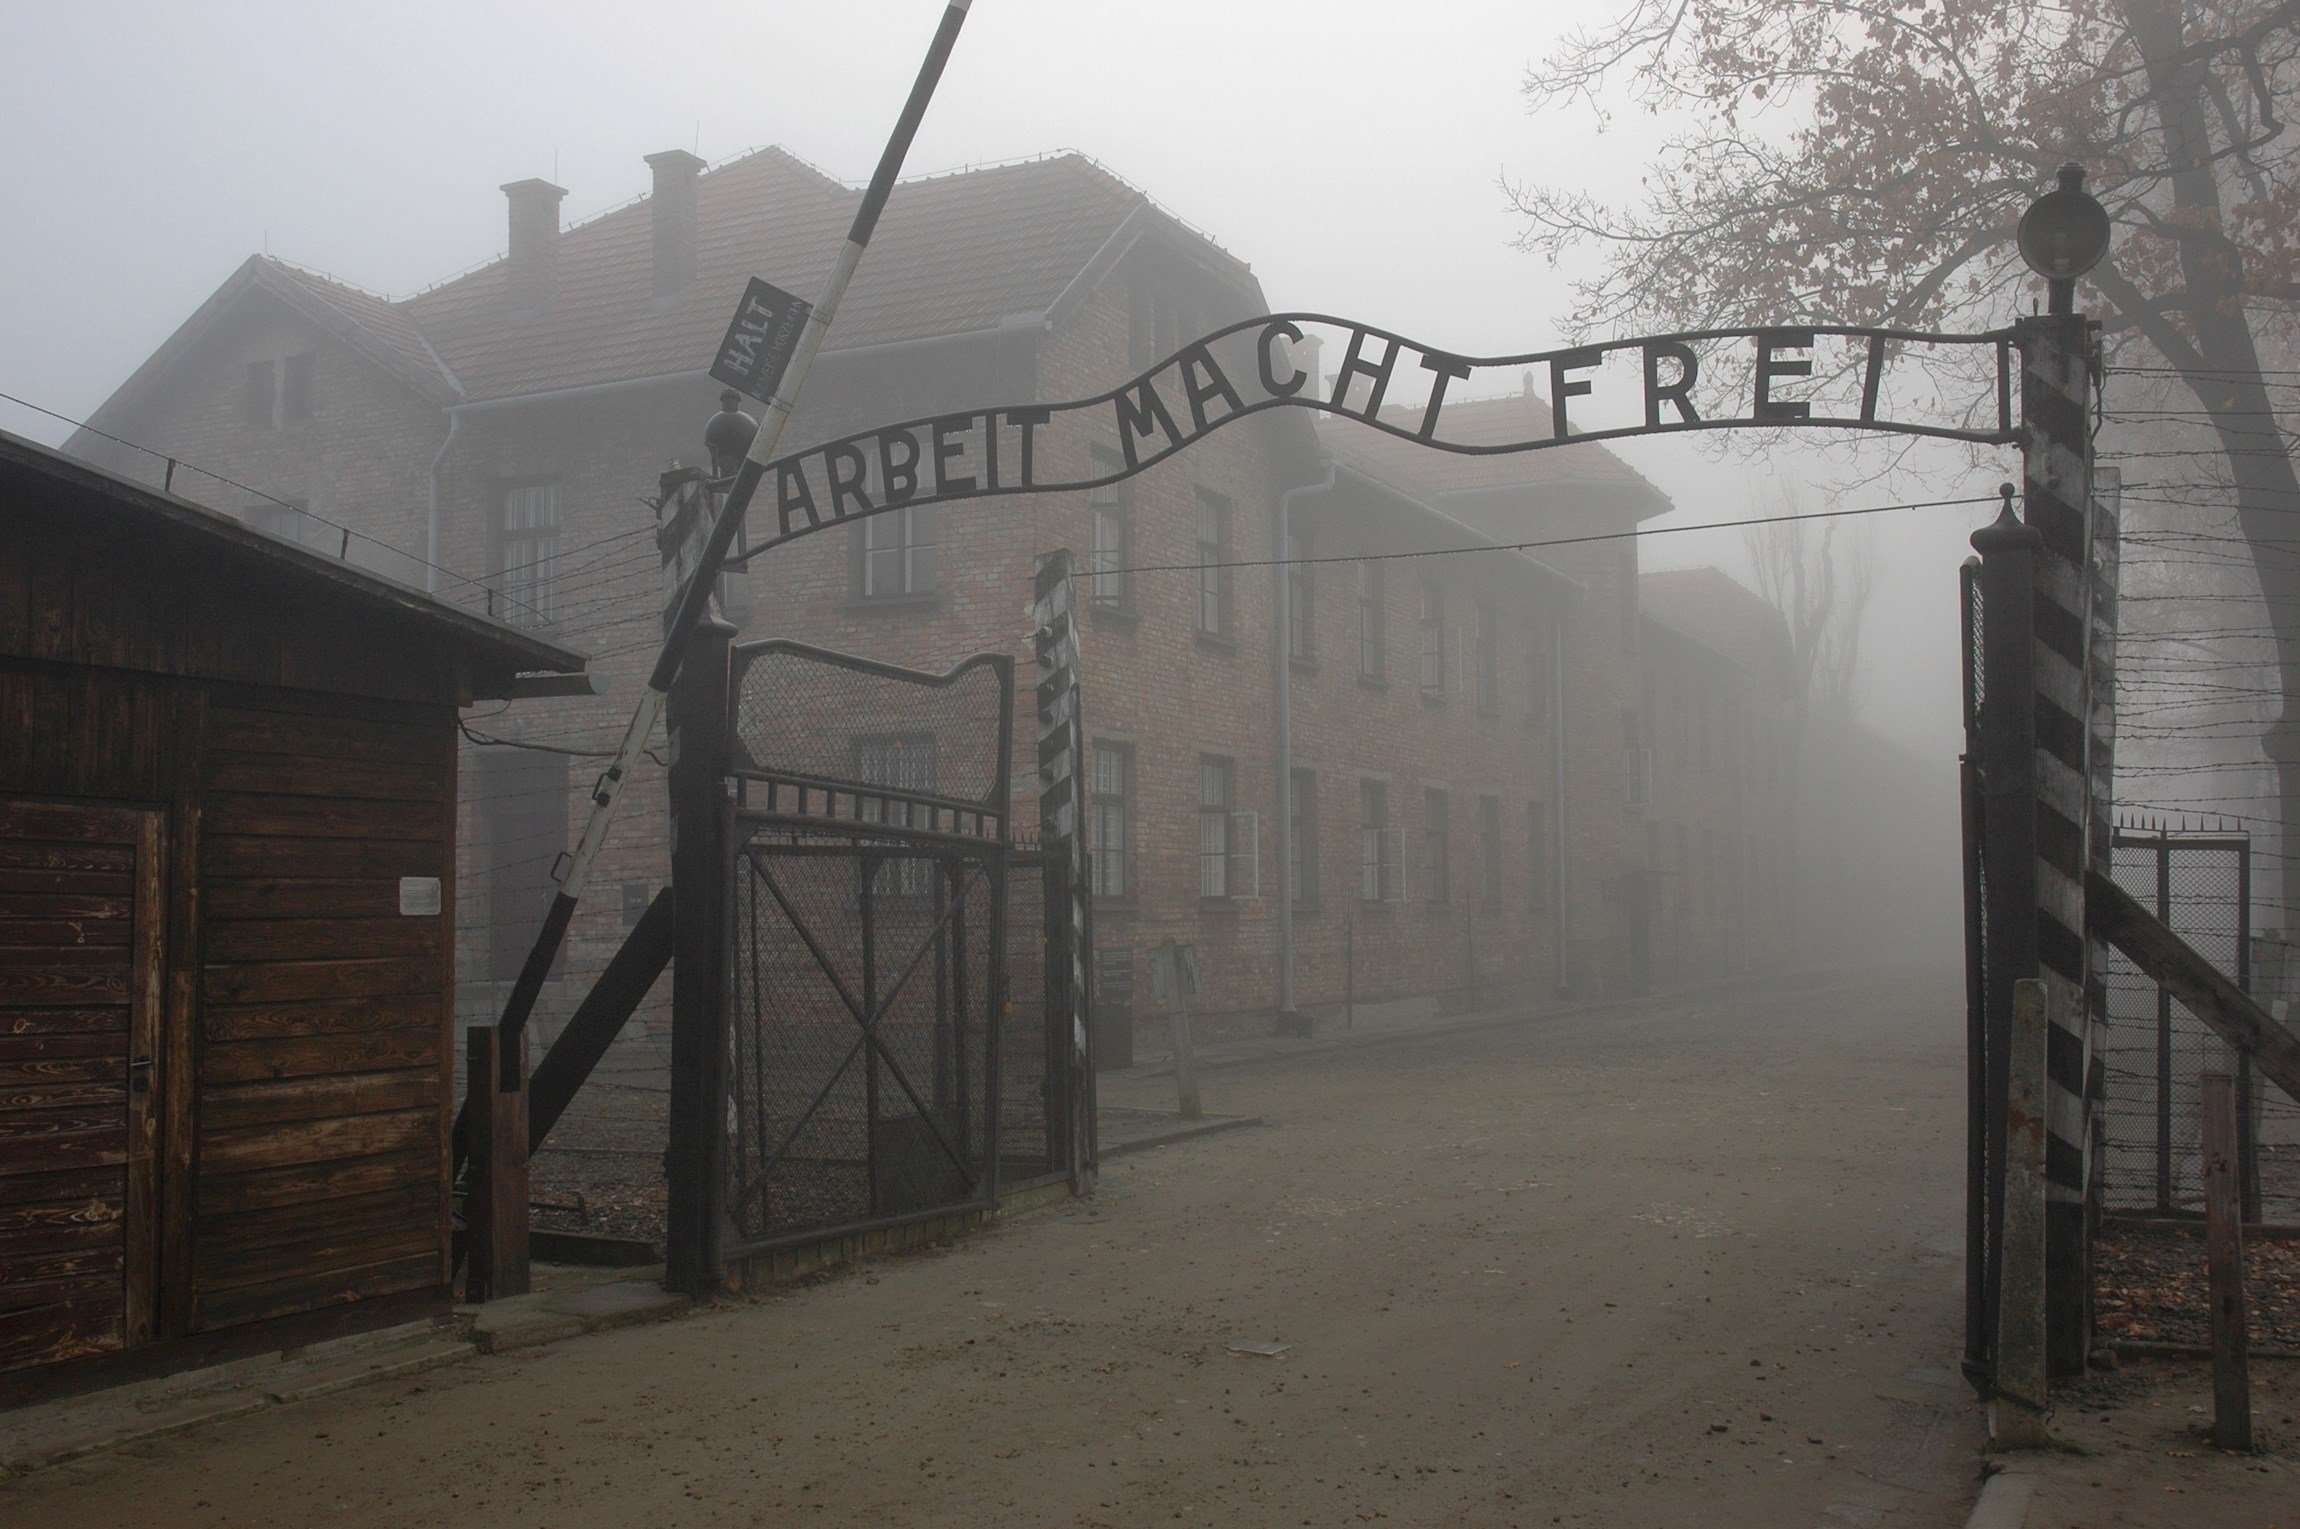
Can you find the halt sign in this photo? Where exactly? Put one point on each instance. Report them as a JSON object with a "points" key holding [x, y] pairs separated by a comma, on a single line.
{"points": [[760, 341]]}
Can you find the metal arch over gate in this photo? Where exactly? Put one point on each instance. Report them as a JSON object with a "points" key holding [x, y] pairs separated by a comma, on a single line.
{"points": [[1838, 377]]}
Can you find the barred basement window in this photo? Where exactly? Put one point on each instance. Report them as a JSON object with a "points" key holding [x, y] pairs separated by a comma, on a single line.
{"points": [[903, 762]]}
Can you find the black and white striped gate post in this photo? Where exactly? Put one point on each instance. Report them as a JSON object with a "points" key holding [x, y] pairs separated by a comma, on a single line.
{"points": [[1062, 837], [2057, 369]]}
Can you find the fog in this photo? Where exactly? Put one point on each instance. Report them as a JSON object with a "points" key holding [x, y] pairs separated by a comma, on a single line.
{"points": [[1352, 153]]}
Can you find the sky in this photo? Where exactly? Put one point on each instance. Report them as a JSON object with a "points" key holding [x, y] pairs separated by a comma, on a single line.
{"points": [[1354, 153]]}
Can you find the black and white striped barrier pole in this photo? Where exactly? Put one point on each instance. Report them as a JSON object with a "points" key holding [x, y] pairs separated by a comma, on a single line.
{"points": [[1062, 836], [2057, 361], [608, 792]]}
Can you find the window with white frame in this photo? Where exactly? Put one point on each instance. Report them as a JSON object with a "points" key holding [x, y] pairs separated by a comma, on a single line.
{"points": [[1432, 633], [1379, 862], [1111, 587], [1301, 599], [1437, 845], [528, 540], [897, 555], [1484, 657], [1214, 558], [1110, 819], [1302, 866], [1372, 662]]}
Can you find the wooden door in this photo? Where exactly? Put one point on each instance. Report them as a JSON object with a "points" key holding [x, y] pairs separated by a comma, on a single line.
{"points": [[80, 971]]}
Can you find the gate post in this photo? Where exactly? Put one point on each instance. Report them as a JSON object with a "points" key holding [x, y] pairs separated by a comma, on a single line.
{"points": [[2007, 753], [1062, 837], [694, 1162], [2056, 463]]}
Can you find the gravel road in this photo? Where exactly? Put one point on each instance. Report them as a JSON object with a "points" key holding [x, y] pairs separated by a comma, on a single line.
{"points": [[1690, 1262]]}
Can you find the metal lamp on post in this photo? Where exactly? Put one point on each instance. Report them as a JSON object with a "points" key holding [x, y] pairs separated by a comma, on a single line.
{"points": [[2064, 234]]}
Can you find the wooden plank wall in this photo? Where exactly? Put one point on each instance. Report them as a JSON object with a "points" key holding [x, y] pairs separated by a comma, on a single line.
{"points": [[324, 1075]]}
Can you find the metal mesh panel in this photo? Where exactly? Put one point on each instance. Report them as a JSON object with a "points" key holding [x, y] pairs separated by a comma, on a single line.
{"points": [[2152, 1157], [860, 987], [1026, 1136]]}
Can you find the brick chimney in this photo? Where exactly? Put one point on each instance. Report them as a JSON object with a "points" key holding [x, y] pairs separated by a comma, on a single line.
{"points": [[674, 207], [534, 245]]}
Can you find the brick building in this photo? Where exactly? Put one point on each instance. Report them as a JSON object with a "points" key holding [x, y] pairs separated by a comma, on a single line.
{"points": [[1460, 720], [1717, 771]]}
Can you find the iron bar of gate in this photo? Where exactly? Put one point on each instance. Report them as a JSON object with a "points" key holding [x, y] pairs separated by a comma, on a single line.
{"points": [[1977, 1159], [694, 1158]]}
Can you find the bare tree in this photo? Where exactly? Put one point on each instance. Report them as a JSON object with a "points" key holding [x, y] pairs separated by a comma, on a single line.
{"points": [[1819, 576], [1868, 160]]}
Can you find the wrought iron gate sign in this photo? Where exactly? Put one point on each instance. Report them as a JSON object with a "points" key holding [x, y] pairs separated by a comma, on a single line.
{"points": [[1950, 386]]}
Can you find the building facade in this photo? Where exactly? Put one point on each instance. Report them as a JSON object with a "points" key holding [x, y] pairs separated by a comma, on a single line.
{"points": [[1461, 711]]}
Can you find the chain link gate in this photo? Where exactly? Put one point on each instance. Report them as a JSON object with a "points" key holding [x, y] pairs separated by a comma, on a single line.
{"points": [[871, 1021]]}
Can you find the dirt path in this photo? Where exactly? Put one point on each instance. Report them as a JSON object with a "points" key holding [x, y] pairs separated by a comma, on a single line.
{"points": [[1690, 1264]]}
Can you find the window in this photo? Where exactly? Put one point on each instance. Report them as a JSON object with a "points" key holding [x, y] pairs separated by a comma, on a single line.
{"points": [[522, 799], [1537, 854], [295, 387], [1433, 640], [1227, 838], [897, 554], [530, 546], [1489, 850], [278, 391], [1636, 762], [1371, 662], [1484, 657], [1301, 599], [1112, 587], [1302, 866], [904, 762], [262, 394], [1109, 823], [1378, 857], [1540, 674], [1213, 564], [1437, 846]]}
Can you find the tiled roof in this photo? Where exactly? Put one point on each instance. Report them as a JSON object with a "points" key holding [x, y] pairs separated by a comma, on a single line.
{"points": [[385, 326], [1719, 612], [1484, 421], [952, 254]]}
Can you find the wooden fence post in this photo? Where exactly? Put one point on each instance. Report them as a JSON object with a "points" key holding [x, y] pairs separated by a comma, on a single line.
{"points": [[495, 1196], [2017, 1399], [2224, 1259]]}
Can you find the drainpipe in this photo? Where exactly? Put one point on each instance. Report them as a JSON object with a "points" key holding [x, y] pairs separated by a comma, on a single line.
{"points": [[431, 518], [1288, 1021], [1557, 792]]}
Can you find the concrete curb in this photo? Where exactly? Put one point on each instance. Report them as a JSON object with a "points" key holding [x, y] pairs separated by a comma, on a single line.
{"points": [[2004, 1501], [35, 1438], [1208, 1127]]}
